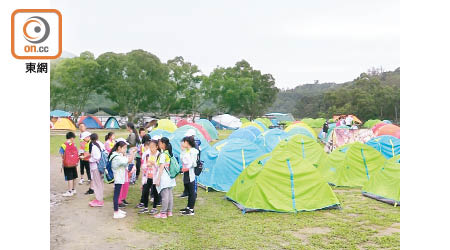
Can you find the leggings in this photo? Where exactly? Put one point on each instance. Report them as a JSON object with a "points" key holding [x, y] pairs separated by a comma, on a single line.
{"points": [[85, 165], [146, 191], [167, 200], [138, 167], [192, 195], [117, 188], [97, 184], [124, 192], [156, 196]]}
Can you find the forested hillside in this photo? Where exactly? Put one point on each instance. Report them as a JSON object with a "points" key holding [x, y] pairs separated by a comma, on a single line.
{"points": [[371, 95]]}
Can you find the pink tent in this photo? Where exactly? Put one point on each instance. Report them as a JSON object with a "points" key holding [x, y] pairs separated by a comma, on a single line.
{"points": [[389, 129], [182, 122], [377, 126], [201, 129]]}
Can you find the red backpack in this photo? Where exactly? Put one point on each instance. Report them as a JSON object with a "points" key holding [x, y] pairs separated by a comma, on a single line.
{"points": [[70, 155]]}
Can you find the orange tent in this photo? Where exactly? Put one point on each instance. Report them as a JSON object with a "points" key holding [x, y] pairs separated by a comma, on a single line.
{"points": [[389, 129]]}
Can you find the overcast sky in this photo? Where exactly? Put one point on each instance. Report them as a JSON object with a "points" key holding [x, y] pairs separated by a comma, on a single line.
{"points": [[295, 41]]}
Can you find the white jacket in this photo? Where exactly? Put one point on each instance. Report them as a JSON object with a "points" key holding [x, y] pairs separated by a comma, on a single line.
{"points": [[189, 160], [118, 165]]}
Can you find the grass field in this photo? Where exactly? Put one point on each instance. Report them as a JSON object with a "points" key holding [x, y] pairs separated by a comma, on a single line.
{"points": [[362, 223]]}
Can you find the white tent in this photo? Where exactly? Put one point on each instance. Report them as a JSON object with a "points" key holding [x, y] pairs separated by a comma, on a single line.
{"points": [[227, 121]]}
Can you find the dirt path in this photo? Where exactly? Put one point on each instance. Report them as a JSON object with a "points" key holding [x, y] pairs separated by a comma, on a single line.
{"points": [[74, 225]]}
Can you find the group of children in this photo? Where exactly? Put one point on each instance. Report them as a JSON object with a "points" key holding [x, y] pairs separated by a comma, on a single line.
{"points": [[139, 154]]}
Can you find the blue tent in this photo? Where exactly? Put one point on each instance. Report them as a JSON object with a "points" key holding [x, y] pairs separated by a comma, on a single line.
{"points": [[112, 123], [90, 121], [301, 131], [209, 127], [59, 113], [274, 122], [159, 132], [387, 121], [388, 145], [224, 161], [270, 139], [261, 124], [247, 133], [177, 135], [331, 126]]}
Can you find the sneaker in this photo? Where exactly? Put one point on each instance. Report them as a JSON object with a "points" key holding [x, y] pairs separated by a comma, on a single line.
{"points": [[161, 216], [140, 205], [183, 195], [118, 215], [143, 211], [184, 209], [122, 212], [169, 214], [74, 191], [92, 203], [121, 205], [90, 191], [125, 202], [153, 211], [67, 194], [81, 181], [96, 203], [188, 212], [158, 205]]}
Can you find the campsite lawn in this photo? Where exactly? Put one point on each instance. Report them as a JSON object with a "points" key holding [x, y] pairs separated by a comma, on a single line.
{"points": [[362, 223]]}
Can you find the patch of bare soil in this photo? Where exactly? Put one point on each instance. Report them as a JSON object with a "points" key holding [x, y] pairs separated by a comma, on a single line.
{"points": [[394, 228], [74, 225], [304, 233]]}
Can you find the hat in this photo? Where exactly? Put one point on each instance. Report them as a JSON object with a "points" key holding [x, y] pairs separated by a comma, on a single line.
{"points": [[121, 139], [84, 135], [190, 132], [156, 137]]}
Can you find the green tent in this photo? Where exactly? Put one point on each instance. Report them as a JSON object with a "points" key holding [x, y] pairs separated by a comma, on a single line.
{"points": [[308, 121], [318, 123], [264, 121], [371, 123], [384, 185], [207, 125], [244, 120], [305, 147], [351, 165], [281, 181]]}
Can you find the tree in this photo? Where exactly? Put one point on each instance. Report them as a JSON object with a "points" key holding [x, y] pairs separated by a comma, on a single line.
{"points": [[74, 80]]}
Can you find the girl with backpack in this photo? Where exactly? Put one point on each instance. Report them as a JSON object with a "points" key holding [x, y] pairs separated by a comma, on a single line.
{"points": [[164, 184], [110, 141], [131, 140], [119, 162], [95, 151], [188, 159], [69, 155]]}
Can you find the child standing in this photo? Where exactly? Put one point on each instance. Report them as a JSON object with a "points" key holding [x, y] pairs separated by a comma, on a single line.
{"points": [[188, 159], [95, 151], [119, 162], [69, 155], [163, 182], [84, 163], [148, 168], [110, 141]]}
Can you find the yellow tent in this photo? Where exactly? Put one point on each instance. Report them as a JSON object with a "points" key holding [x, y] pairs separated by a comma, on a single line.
{"points": [[64, 123], [254, 124], [301, 124], [167, 125]]}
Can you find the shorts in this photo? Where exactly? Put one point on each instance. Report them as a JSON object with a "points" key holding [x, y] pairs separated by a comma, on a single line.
{"points": [[70, 173]]}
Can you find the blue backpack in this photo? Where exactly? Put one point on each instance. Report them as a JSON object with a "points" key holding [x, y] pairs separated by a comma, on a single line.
{"points": [[109, 175], [103, 162]]}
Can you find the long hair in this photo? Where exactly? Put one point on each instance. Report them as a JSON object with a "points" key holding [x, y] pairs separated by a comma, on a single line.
{"points": [[116, 146], [131, 125], [94, 138], [166, 142], [108, 135], [190, 140]]}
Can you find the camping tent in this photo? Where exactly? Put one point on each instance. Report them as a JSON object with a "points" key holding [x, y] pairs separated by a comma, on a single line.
{"points": [[387, 121], [300, 130], [351, 165], [281, 118], [182, 122], [159, 132], [306, 147], [59, 113], [207, 125], [166, 124], [318, 123], [112, 123], [377, 126], [387, 145], [308, 121], [244, 120], [301, 124], [224, 161], [264, 121], [384, 185], [64, 123], [226, 121], [248, 133], [177, 135], [253, 124], [389, 129], [90, 121], [270, 139], [281, 182], [264, 127], [201, 129], [371, 123]]}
